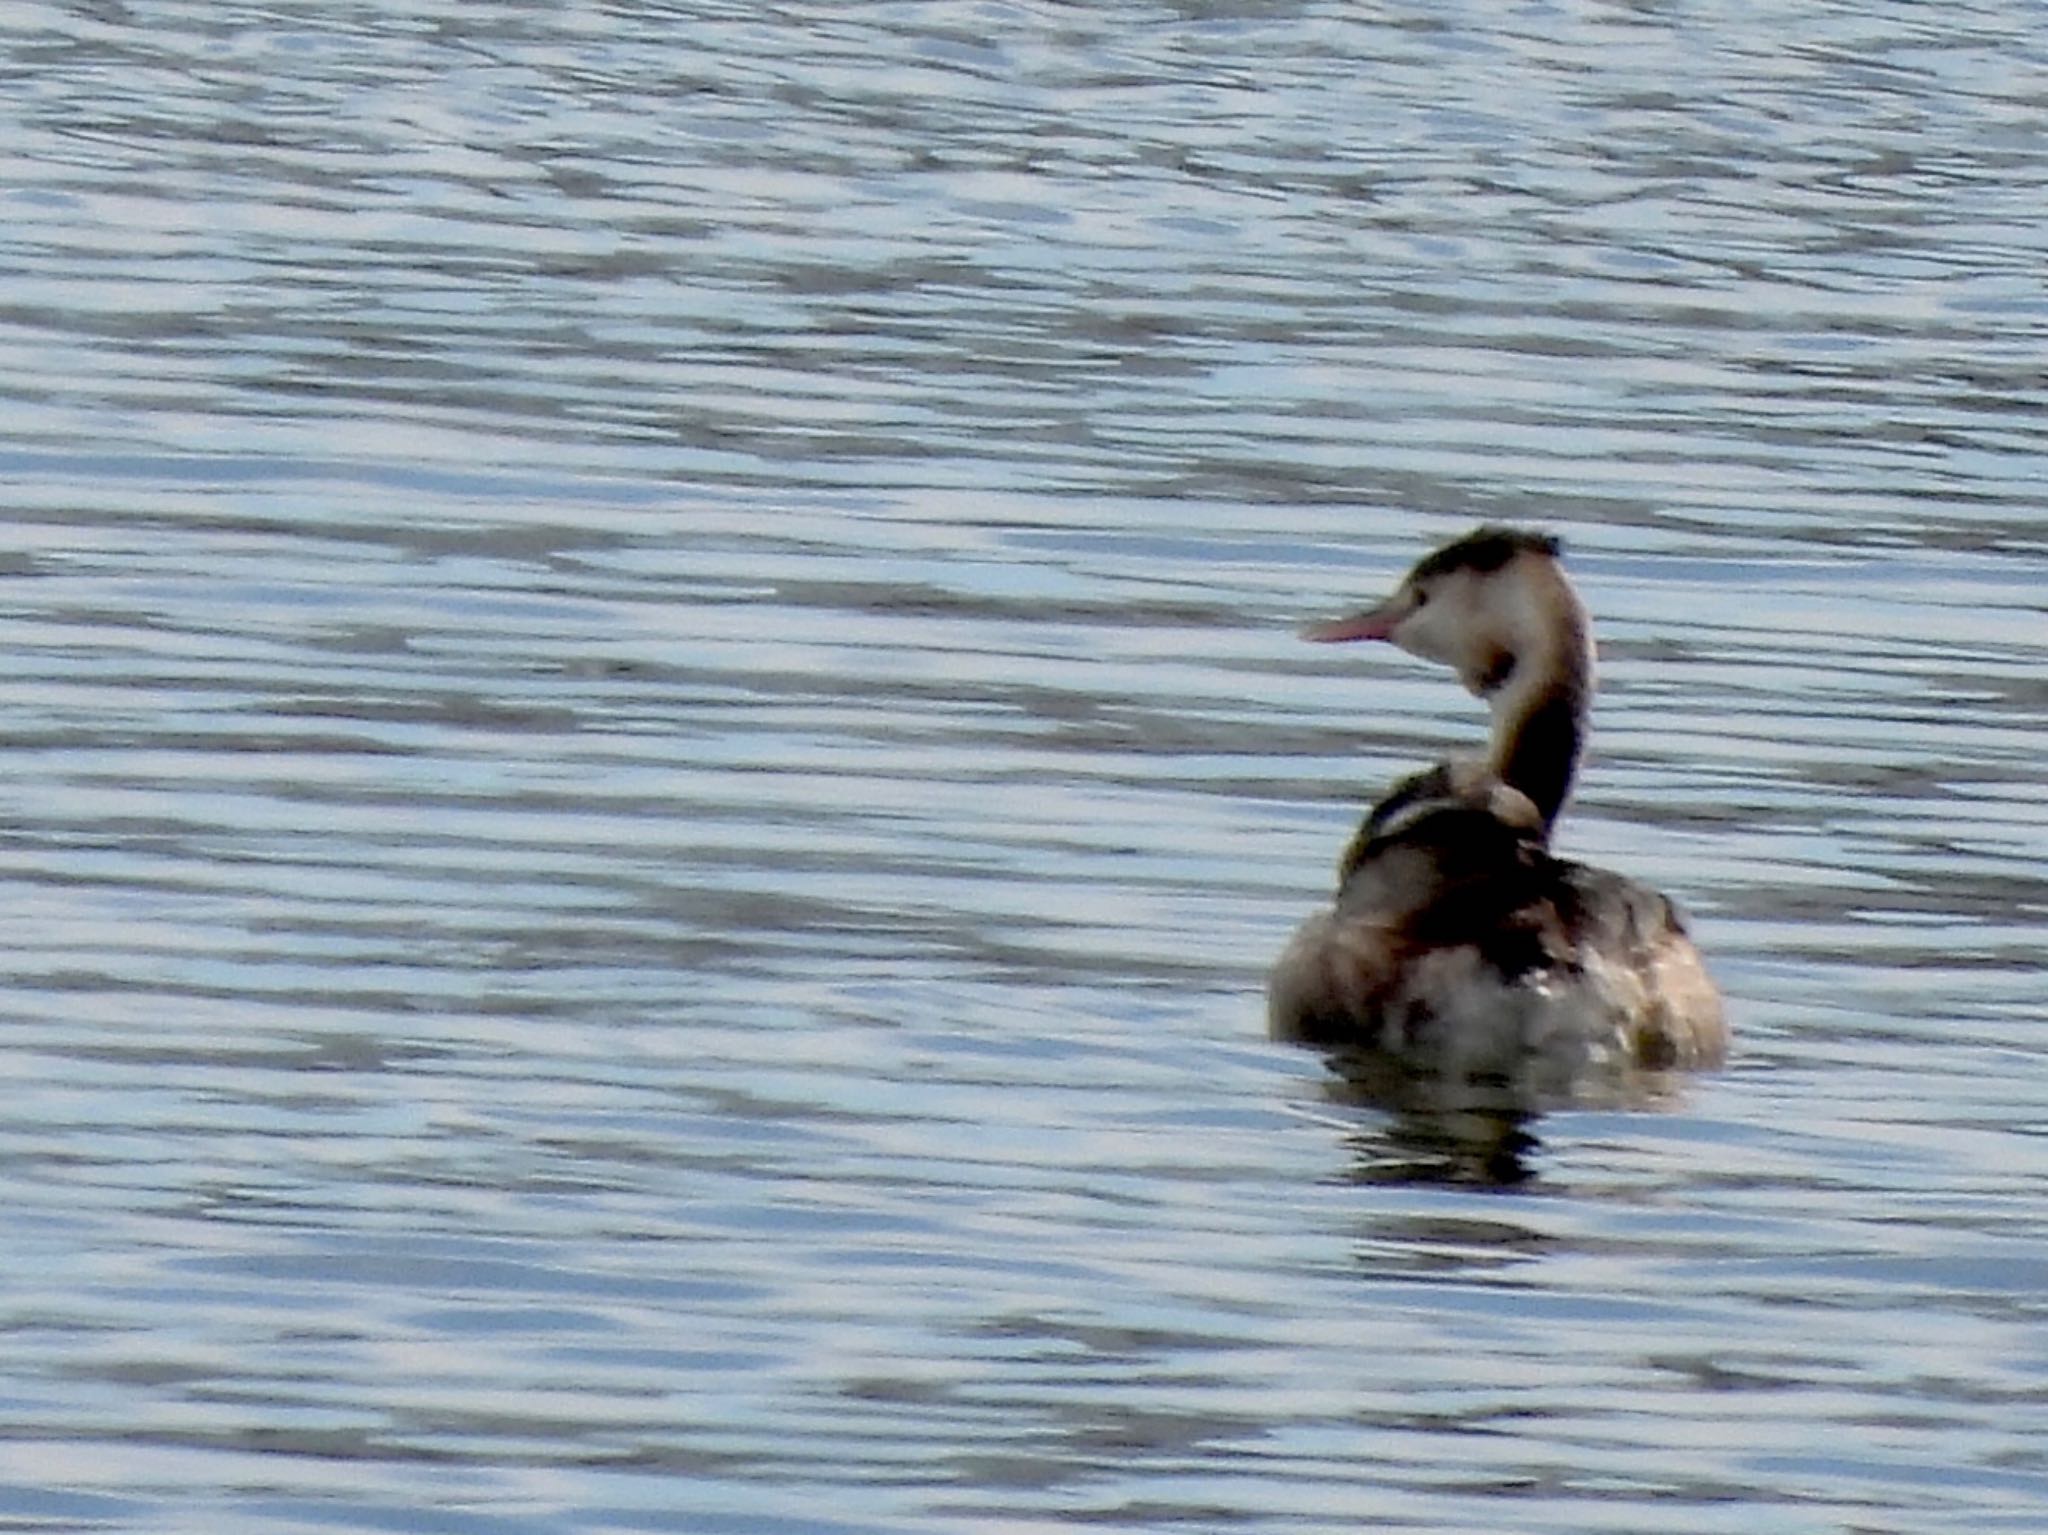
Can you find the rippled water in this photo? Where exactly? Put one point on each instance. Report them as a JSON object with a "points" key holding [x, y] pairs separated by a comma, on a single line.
{"points": [[654, 750]]}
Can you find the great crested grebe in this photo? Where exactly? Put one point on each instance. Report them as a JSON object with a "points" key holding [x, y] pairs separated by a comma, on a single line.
{"points": [[1457, 943]]}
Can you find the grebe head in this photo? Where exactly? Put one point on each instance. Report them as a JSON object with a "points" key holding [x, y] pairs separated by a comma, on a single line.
{"points": [[1482, 606], [1496, 608]]}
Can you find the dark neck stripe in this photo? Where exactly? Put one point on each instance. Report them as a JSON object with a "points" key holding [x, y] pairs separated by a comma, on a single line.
{"points": [[1542, 755]]}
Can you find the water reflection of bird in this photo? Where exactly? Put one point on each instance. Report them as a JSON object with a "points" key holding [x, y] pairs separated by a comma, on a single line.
{"points": [[1457, 943]]}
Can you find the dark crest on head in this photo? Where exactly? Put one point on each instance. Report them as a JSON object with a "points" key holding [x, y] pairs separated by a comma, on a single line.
{"points": [[1487, 550]]}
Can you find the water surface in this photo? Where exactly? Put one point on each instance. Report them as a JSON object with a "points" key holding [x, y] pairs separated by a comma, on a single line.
{"points": [[654, 751]]}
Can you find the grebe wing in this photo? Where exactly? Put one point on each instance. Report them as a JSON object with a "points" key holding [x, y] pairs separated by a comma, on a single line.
{"points": [[1634, 939]]}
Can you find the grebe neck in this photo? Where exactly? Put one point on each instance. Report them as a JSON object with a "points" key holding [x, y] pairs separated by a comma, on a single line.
{"points": [[1540, 693]]}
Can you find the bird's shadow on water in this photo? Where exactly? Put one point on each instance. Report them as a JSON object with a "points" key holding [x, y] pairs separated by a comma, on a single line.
{"points": [[1469, 1131]]}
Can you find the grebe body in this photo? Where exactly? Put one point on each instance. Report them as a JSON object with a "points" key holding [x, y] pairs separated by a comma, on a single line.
{"points": [[1457, 943]]}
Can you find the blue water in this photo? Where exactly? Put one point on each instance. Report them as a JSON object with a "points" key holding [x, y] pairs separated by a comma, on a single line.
{"points": [[654, 749]]}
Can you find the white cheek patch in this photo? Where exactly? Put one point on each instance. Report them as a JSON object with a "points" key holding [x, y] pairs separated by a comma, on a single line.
{"points": [[1432, 634]]}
